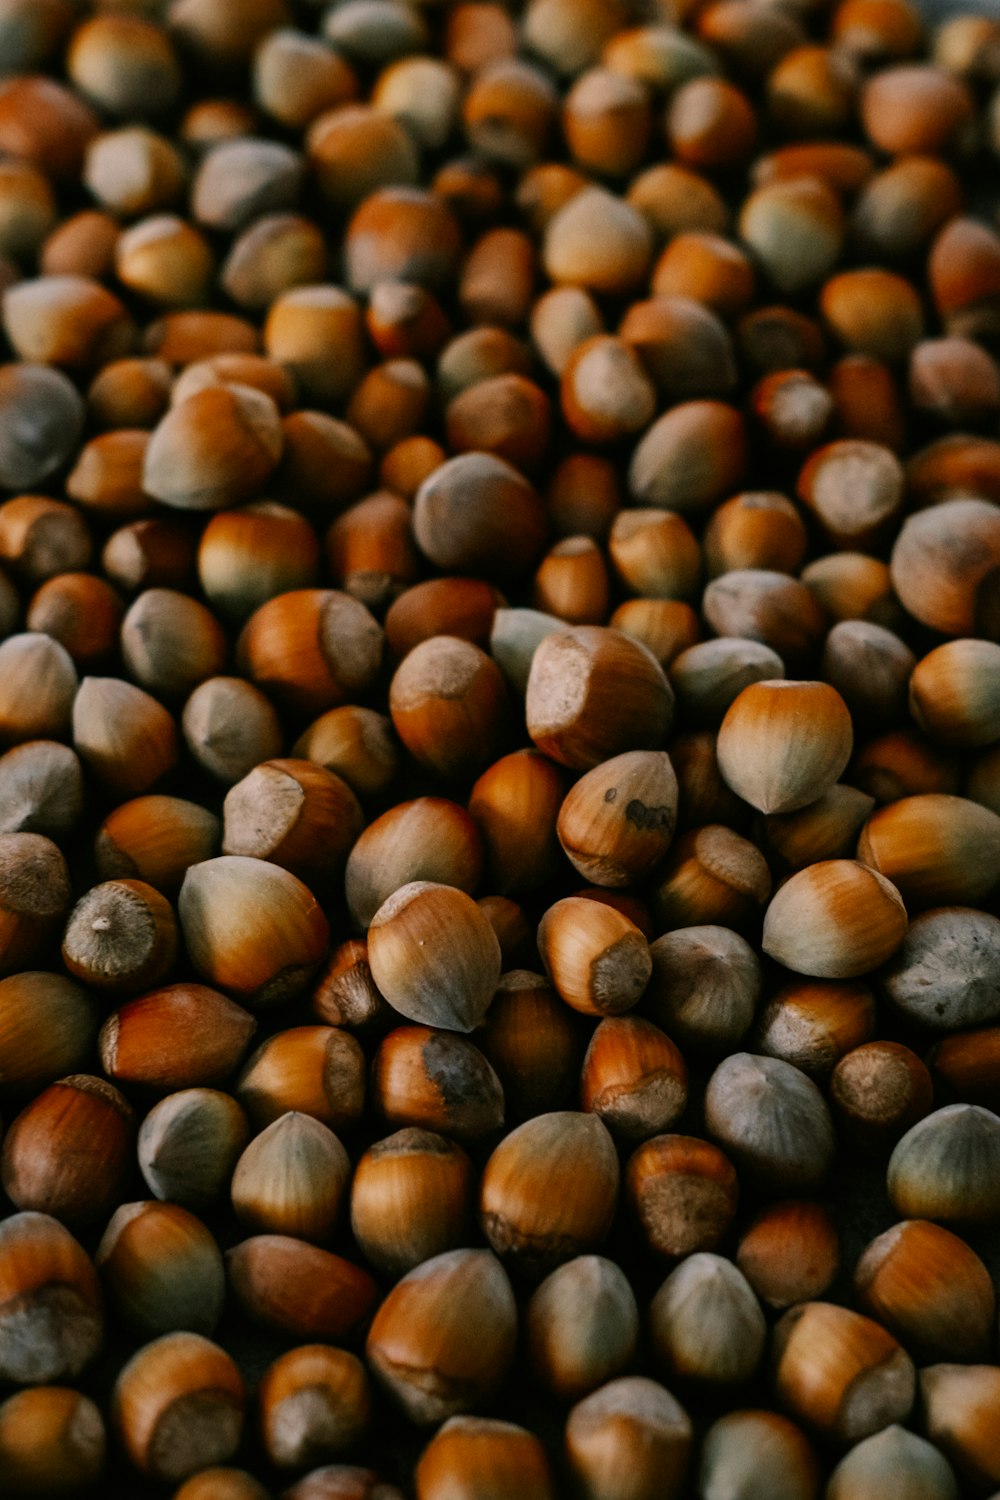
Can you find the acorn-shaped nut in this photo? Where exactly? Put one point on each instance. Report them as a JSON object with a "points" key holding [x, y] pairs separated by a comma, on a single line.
{"points": [[444, 1337], [474, 1456], [955, 693], [34, 895], [69, 1151], [594, 693], [616, 823], [178, 1406], [582, 1326], [947, 1166], [188, 1145], [52, 1442], [434, 955], [427, 838], [783, 744], [179, 1036], [704, 987], [295, 814], [549, 1190], [597, 959], [316, 1070], [162, 1269], [757, 1455], [841, 1373], [315, 1404], [222, 1483], [937, 849], [930, 1289], [291, 1179], [411, 1199], [893, 1464], [705, 1324], [772, 1119], [251, 928], [834, 920], [962, 1418], [47, 1029], [629, 1440], [438, 1080], [51, 1319]]}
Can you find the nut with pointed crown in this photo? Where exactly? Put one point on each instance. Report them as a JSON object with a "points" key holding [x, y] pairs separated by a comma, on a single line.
{"points": [[773, 1119], [930, 1289], [757, 1455], [705, 1323], [947, 1166], [783, 744], [473, 1456], [834, 920], [582, 1326], [434, 955], [629, 1440], [444, 1337]]}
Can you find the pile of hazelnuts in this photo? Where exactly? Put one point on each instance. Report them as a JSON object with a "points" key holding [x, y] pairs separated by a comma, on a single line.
{"points": [[499, 750]]}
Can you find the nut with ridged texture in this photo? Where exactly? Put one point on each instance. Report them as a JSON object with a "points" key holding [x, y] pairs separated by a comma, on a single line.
{"points": [[532, 1039], [783, 744], [47, 1029], [311, 649], [179, 1036], [704, 988], [68, 1153], [438, 1080], [297, 1290], [411, 1199], [629, 1440], [292, 1179], [582, 1326], [683, 1191], [473, 1456], [929, 1288], [425, 839], [633, 1077], [947, 1166], [893, 1464], [938, 850], [434, 955], [757, 1455], [120, 937], [711, 877], [705, 1323], [51, 1315], [315, 1070], [251, 928], [549, 1191], [596, 957], [834, 920], [773, 1120], [840, 1373], [444, 1337], [188, 1145], [178, 1406]]}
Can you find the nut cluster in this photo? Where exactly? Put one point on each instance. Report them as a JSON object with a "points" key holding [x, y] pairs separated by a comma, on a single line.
{"points": [[499, 750]]}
